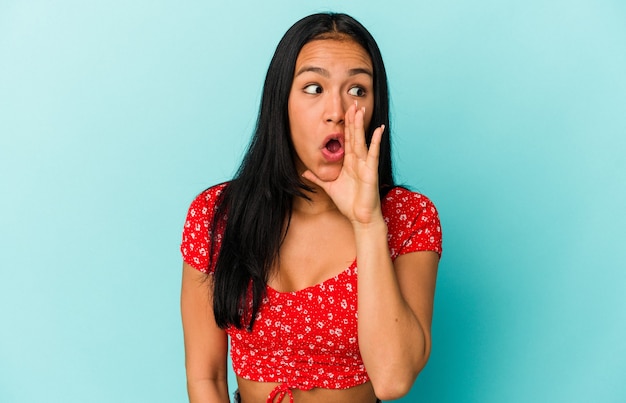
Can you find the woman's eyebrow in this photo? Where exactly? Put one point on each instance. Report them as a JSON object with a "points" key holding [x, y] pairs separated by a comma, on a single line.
{"points": [[360, 70], [313, 69], [323, 72]]}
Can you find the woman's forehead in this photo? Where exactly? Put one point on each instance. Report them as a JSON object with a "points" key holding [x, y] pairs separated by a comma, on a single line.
{"points": [[333, 52]]}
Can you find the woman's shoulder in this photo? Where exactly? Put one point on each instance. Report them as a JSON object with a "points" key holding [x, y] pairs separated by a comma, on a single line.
{"points": [[205, 202], [400, 198], [210, 195], [412, 220], [198, 229], [203, 207]]}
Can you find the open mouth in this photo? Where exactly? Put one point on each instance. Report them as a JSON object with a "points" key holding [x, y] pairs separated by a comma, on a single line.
{"points": [[333, 146], [333, 149]]}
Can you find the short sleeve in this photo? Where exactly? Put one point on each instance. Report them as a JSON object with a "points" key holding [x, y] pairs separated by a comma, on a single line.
{"points": [[197, 235], [412, 223]]}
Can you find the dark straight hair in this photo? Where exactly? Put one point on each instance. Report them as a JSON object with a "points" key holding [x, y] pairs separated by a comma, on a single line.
{"points": [[258, 201]]}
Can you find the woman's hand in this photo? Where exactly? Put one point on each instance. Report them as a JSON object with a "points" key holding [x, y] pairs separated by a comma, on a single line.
{"points": [[355, 190]]}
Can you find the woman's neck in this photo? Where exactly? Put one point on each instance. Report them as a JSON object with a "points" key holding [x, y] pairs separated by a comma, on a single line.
{"points": [[319, 203]]}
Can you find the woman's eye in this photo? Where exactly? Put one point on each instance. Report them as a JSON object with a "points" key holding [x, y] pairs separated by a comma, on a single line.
{"points": [[356, 92], [313, 89]]}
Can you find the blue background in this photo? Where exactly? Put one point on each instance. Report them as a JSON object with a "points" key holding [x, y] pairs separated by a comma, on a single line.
{"points": [[510, 115]]}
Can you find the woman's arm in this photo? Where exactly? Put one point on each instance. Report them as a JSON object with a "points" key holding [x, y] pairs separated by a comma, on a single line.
{"points": [[206, 345], [395, 303], [395, 300]]}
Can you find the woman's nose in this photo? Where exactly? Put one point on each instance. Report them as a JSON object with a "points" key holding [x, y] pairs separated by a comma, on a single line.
{"points": [[335, 110]]}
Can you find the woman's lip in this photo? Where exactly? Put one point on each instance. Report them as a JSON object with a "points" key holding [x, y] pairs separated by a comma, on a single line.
{"points": [[333, 156], [335, 136]]}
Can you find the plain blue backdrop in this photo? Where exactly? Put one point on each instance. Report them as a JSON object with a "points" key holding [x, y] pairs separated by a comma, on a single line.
{"points": [[510, 115]]}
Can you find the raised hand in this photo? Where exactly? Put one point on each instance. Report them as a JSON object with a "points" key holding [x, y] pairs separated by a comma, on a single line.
{"points": [[355, 190]]}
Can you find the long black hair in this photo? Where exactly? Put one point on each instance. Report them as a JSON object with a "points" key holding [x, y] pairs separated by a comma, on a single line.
{"points": [[258, 201]]}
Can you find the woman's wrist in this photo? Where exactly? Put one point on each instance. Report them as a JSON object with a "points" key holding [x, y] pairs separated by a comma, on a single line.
{"points": [[377, 224]]}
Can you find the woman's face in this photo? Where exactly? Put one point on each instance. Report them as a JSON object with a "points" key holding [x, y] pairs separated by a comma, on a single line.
{"points": [[330, 75]]}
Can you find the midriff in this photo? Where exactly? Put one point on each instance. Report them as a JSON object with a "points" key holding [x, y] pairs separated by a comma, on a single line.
{"points": [[257, 392]]}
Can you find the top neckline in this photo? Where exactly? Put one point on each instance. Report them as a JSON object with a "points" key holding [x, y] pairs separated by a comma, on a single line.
{"points": [[336, 277]]}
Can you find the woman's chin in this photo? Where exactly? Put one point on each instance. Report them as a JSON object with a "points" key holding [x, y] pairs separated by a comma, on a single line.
{"points": [[329, 174], [325, 175]]}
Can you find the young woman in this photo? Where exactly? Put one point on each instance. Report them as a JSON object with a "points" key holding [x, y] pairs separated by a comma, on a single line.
{"points": [[319, 269]]}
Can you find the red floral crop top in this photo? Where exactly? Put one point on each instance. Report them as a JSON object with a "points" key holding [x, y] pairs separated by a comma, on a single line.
{"points": [[308, 338]]}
